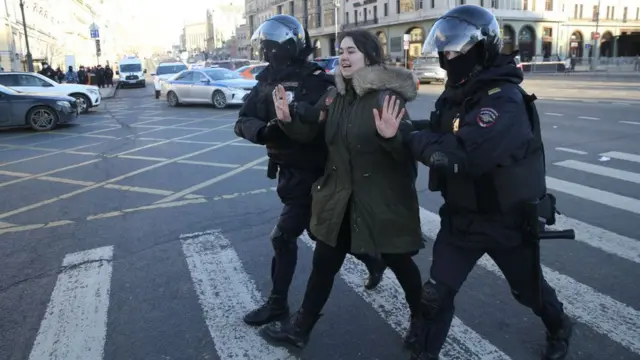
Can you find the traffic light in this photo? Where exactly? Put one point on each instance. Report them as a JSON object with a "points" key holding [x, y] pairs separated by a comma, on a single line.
{"points": [[98, 50]]}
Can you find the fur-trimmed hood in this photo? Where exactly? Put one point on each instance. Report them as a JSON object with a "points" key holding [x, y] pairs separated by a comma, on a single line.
{"points": [[380, 77]]}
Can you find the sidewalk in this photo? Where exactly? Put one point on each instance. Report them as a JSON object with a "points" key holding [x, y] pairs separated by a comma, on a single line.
{"points": [[109, 92]]}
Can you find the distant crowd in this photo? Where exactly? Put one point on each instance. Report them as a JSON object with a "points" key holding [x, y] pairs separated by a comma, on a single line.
{"points": [[94, 75]]}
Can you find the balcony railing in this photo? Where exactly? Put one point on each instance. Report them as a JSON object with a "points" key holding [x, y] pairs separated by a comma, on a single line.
{"points": [[358, 24]]}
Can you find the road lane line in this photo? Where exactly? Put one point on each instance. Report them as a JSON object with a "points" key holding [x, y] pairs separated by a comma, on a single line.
{"points": [[84, 146], [619, 322], [226, 293], [109, 181], [66, 181], [206, 163], [553, 114], [630, 122], [622, 156], [389, 302], [75, 323], [579, 152], [6, 225], [149, 158], [588, 118], [29, 227], [588, 193], [212, 181], [600, 170]]}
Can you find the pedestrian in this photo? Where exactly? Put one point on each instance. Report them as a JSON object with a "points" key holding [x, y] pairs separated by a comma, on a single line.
{"points": [[83, 76], [71, 77], [100, 79], [366, 203], [48, 71], [285, 45], [108, 76], [486, 158]]}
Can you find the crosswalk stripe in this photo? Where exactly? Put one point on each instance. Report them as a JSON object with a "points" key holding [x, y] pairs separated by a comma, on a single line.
{"points": [[75, 323], [600, 170], [389, 302], [621, 323], [622, 156], [603, 197], [226, 293]]}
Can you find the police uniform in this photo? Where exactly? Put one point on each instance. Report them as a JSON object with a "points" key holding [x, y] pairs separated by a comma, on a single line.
{"points": [[285, 45], [486, 158]]}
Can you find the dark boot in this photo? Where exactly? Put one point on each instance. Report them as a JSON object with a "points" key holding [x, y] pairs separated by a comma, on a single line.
{"points": [[414, 335], [294, 331], [558, 341], [376, 267], [274, 309]]}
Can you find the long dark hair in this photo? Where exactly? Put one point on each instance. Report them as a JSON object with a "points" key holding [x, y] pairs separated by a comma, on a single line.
{"points": [[367, 43]]}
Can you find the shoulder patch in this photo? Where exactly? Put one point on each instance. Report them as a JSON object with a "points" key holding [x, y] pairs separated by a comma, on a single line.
{"points": [[493, 91], [487, 117], [331, 95]]}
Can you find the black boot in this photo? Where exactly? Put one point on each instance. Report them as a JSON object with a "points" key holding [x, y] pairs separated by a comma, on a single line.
{"points": [[558, 341], [274, 309], [294, 331], [376, 267], [414, 335]]}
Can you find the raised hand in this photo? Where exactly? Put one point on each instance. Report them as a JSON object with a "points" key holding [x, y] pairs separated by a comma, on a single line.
{"points": [[282, 106], [388, 119]]}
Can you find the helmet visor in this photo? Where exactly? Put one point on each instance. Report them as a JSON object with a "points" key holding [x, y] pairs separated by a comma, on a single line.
{"points": [[451, 34], [272, 30]]}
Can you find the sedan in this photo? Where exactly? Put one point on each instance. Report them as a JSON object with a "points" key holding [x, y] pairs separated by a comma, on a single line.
{"points": [[217, 86], [41, 112]]}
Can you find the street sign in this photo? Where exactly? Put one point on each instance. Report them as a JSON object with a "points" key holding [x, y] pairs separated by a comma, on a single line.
{"points": [[406, 45], [595, 35], [407, 40], [94, 31], [98, 50]]}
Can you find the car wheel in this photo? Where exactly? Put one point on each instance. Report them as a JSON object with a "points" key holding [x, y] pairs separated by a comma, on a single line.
{"points": [[219, 100], [172, 99], [84, 103], [42, 118]]}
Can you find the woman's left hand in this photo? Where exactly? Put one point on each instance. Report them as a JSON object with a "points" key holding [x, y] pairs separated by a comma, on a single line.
{"points": [[388, 120], [281, 104]]}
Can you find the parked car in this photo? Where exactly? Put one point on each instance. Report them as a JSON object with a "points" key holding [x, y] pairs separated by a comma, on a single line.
{"points": [[88, 96], [217, 86], [41, 112], [427, 69], [164, 72], [251, 71], [328, 63]]}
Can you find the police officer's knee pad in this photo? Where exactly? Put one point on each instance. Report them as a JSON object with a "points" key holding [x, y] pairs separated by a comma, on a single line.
{"points": [[283, 241], [436, 299]]}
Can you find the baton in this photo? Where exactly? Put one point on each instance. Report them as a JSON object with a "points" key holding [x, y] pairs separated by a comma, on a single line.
{"points": [[568, 234]]}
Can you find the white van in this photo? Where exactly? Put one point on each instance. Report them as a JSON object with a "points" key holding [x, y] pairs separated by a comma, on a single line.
{"points": [[131, 72]]}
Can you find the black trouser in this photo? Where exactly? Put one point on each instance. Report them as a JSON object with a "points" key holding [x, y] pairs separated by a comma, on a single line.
{"points": [[294, 190], [452, 264], [327, 261]]}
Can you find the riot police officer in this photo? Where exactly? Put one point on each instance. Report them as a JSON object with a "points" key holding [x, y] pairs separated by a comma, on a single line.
{"points": [[486, 157], [285, 45]]}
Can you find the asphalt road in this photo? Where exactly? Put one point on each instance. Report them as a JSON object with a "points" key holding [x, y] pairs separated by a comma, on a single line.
{"points": [[141, 233]]}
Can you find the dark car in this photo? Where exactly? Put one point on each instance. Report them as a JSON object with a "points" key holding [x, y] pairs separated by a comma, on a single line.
{"points": [[41, 112]]}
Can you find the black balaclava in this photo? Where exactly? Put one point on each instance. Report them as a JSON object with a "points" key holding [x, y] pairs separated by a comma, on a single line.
{"points": [[461, 67], [276, 54]]}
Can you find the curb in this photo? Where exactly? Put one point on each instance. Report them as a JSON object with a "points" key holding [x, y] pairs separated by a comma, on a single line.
{"points": [[116, 86]]}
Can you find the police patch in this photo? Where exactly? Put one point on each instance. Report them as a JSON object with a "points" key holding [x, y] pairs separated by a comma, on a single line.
{"points": [[290, 97], [456, 124], [487, 117]]}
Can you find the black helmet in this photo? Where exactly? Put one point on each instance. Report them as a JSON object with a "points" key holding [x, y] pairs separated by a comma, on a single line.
{"points": [[280, 39], [461, 28]]}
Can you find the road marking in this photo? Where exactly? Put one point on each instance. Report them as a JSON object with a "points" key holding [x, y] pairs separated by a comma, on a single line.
{"points": [[149, 158], [622, 156], [621, 323], [138, 189], [75, 323], [588, 118], [205, 163], [553, 114], [621, 103], [226, 293], [600, 170], [6, 225], [389, 302], [592, 194], [35, 226], [630, 122], [210, 182], [109, 181], [66, 181], [579, 152]]}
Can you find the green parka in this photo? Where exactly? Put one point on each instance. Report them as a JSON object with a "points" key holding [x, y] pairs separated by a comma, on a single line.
{"points": [[376, 176]]}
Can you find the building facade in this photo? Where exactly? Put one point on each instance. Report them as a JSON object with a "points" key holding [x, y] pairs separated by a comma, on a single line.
{"points": [[537, 28], [195, 37]]}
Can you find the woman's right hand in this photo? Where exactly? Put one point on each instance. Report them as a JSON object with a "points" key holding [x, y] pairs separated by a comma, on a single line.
{"points": [[281, 104]]}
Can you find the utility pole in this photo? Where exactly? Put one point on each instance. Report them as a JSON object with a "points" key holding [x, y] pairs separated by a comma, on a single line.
{"points": [[596, 41], [336, 6], [26, 39]]}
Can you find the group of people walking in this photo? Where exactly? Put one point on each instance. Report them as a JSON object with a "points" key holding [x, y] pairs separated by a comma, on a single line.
{"points": [[346, 154], [94, 75]]}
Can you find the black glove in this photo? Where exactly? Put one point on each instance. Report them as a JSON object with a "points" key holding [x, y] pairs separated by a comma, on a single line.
{"points": [[307, 113], [271, 133]]}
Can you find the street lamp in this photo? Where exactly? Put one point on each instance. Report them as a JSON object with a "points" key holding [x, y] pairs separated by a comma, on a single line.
{"points": [[26, 39], [336, 6], [596, 39]]}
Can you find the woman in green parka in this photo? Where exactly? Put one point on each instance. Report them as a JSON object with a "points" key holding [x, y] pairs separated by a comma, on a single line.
{"points": [[366, 202]]}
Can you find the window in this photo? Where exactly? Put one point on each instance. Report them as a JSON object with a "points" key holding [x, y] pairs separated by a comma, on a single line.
{"points": [[581, 12], [398, 6], [346, 17], [221, 74], [185, 76], [595, 13], [420, 4], [365, 12], [30, 80], [170, 69], [624, 14], [386, 9], [525, 5], [291, 8], [355, 16], [548, 5], [575, 11], [613, 12], [197, 77], [9, 80], [608, 12], [494, 4]]}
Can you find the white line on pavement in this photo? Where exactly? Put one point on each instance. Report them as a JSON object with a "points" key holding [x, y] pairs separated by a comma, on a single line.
{"points": [[226, 293], [579, 152], [622, 156], [630, 122], [595, 195], [75, 323], [553, 114], [600, 170], [621, 323], [588, 118]]}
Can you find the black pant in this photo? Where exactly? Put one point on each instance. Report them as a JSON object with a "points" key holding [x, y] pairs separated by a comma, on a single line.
{"points": [[452, 264], [328, 260], [294, 190]]}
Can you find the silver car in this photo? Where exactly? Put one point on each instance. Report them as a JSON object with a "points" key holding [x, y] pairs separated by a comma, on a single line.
{"points": [[427, 69], [217, 86]]}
